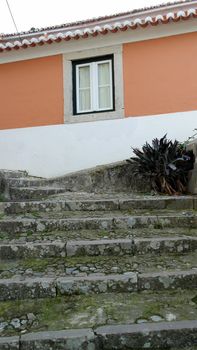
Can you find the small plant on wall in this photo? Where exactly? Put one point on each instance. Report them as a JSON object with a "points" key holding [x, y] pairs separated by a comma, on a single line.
{"points": [[165, 163]]}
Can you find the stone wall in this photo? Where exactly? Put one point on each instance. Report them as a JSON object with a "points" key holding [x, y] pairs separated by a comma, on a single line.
{"points": [[115, 177]]}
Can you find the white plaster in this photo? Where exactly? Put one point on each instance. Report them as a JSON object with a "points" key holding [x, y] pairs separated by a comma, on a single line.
{"points": [[56, 150]]}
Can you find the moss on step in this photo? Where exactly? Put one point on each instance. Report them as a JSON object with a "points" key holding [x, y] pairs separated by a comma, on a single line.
{"points": [[80, 266], [97, 234], [92, 311], [2, 197], [63, 214]]}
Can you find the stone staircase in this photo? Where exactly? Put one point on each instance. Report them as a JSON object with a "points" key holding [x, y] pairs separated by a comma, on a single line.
{"points": [[96, 271]]}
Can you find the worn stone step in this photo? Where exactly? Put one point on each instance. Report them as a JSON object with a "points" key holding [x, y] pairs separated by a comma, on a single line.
{"points": [[81, 311], [30, 193], [96, 234], [110, 222], [131, 246], [104, 247], [19, 289], [9, 174], [28, 181], [89, 339], [64, 214], [83, 266], [29, 288], [179, 203], [129, 282], [151, 336], [58, 206]]}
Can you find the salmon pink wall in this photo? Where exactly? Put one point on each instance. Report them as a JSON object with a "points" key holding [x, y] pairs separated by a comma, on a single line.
{"points": [[31, 93], [160, 75]]}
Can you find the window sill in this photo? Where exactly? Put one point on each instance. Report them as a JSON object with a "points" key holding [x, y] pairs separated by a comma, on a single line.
{"points": [[90, 117]]}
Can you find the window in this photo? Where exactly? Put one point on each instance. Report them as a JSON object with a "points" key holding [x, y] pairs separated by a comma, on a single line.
{"points": [[93, 85]]}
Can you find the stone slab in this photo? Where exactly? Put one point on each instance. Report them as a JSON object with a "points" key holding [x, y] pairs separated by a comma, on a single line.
{"points": [[159, 203], [17, 193], [9, 343], [103, 179], [100, 247], [80, 339], [17, 225], [162, 335], [97, 284], [168, 280], [16, 289], [159, 245], [32, 250]]}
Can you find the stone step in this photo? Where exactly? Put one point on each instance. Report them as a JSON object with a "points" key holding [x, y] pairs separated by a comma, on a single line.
{"points": [[151, 336], [68, 214], [26, 181], [159, 335], [146, 308], [30, 193], [179, 203], [108, 222], [159, 245], [78, 235], [85, 339], [31, 288], [83, 266], [9, 174]]}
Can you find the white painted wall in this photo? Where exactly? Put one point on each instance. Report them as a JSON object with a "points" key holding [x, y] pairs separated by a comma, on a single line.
{"points": [[56, 150]]}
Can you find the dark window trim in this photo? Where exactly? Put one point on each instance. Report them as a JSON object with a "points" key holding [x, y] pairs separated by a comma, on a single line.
{"points": [[74, 92]]}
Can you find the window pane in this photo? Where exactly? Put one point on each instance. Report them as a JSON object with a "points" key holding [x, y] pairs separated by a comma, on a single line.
{"points": [[84, 100], [105, 97], [84, 77], [104, 73]]}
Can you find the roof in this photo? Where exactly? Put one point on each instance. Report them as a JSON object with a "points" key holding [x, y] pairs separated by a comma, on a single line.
{"points": [[155, 15]]}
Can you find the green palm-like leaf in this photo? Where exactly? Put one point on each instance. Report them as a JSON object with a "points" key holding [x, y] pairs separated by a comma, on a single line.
{"points": [[163, 162]]}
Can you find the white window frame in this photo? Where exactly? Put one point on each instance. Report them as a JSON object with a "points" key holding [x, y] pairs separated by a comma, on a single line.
{"points": [[94, 87], [78, 66]]}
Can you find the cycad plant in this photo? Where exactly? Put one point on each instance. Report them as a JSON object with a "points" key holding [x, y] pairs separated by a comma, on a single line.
{"points": [[165, 163]]}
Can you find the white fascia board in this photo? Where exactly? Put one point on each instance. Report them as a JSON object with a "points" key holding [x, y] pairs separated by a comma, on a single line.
{"points": [[129, 36]]}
